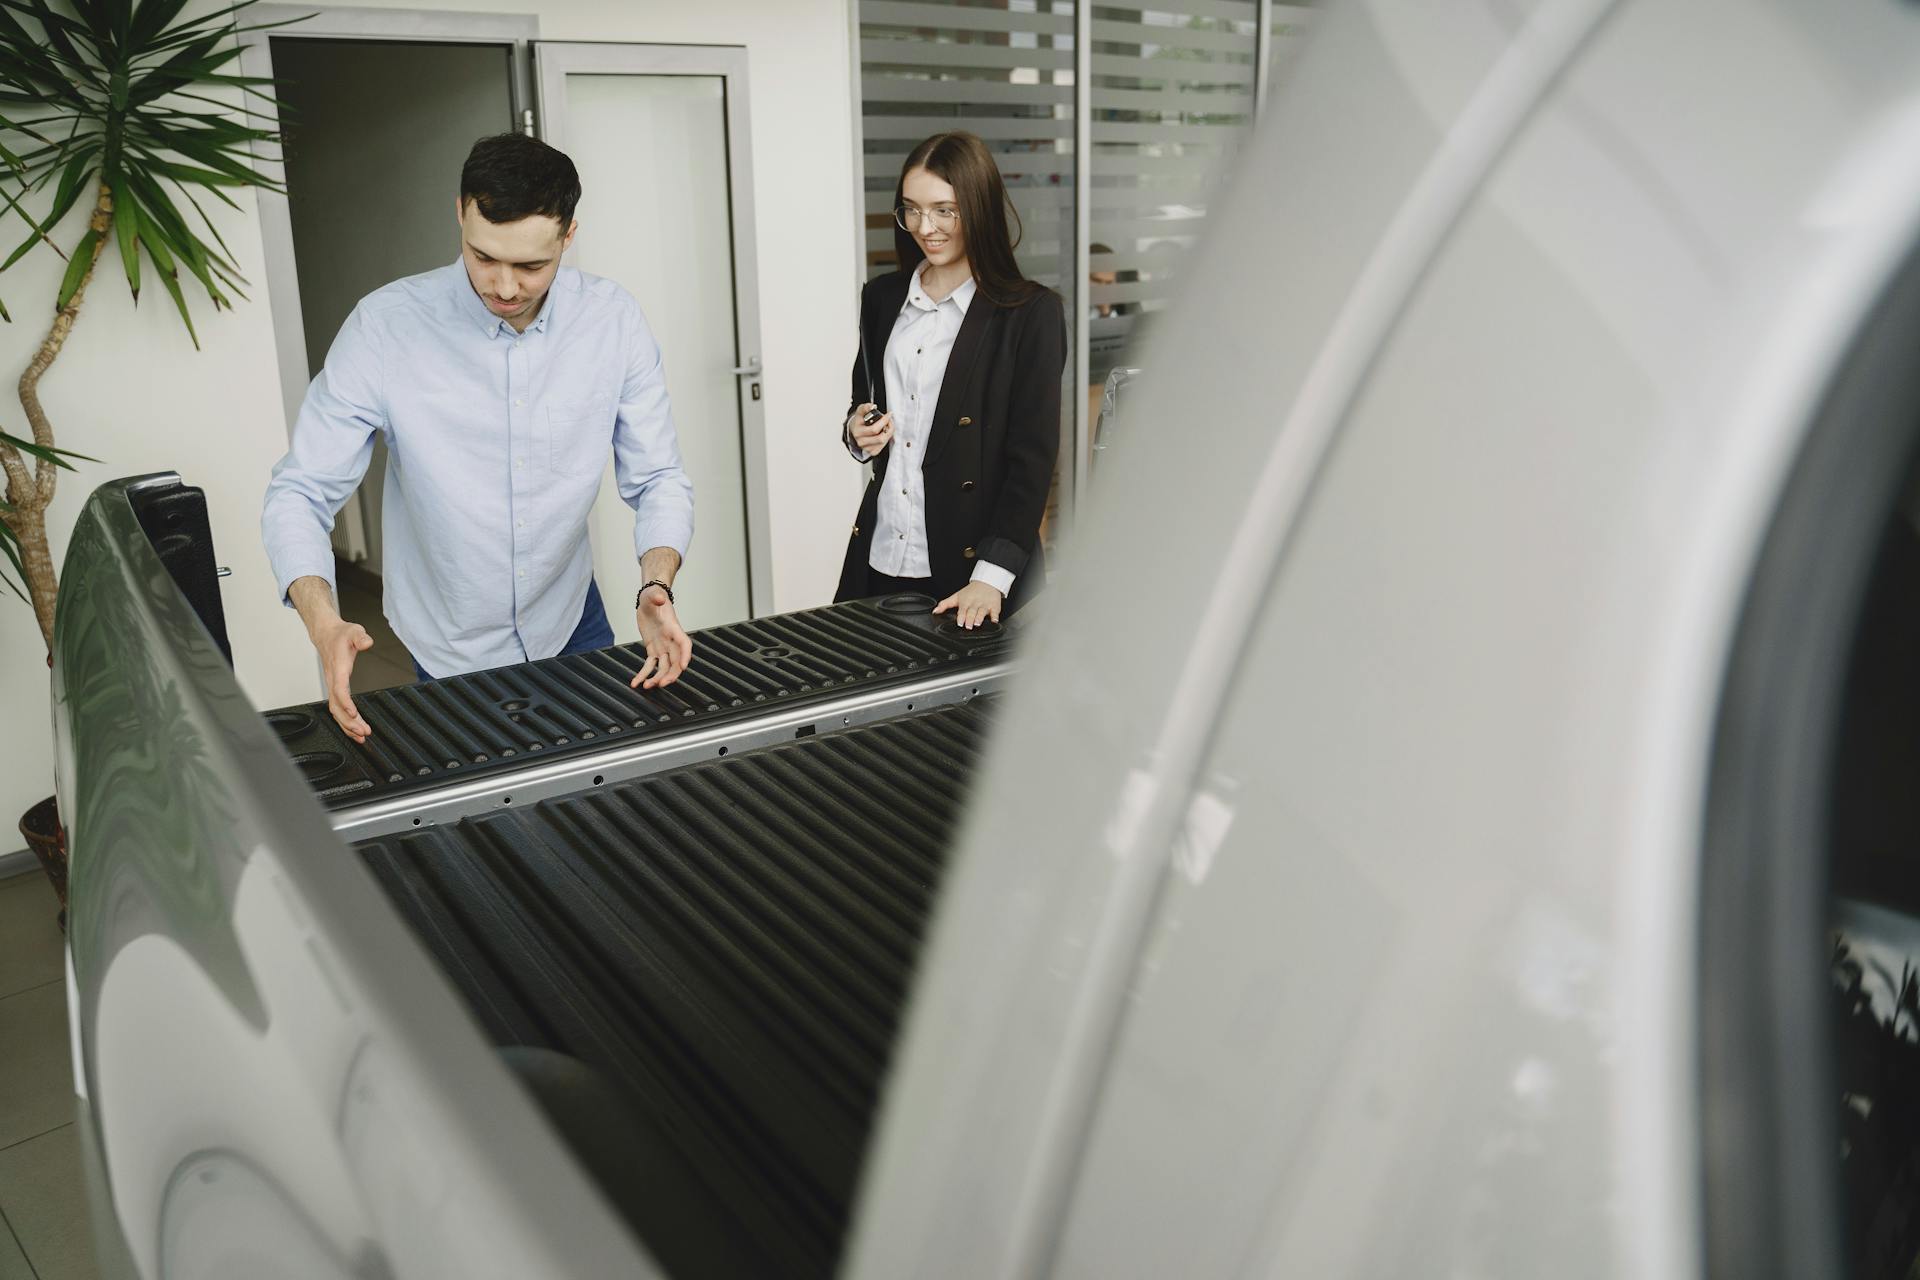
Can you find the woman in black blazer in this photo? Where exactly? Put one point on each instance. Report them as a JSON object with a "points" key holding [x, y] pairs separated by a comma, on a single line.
{"points": [[956, 398]]}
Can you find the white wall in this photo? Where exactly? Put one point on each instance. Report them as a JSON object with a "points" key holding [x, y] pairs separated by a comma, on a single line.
{"points": [[131, 390]]}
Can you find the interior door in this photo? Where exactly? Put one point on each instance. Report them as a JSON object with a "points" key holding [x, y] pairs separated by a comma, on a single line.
{"points": [[408, 110], [659, 134]]}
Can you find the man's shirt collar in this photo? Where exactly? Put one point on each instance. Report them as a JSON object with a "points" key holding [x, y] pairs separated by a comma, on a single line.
{"points": [[475, 306]]}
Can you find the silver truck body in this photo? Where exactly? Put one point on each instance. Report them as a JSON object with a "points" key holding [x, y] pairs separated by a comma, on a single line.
{"points": [[1360, 876]]}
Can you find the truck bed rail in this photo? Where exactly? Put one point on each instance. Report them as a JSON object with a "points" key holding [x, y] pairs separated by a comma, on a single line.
{"points": [[455, 747]]}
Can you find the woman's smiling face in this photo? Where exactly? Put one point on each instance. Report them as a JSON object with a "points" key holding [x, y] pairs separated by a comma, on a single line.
{"points": [[940, 236]]}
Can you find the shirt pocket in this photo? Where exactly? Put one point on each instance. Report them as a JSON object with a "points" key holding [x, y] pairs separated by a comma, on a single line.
{"points": [[579, 436]]}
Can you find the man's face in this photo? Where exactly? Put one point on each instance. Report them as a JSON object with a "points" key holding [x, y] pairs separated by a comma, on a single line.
{"points": [[1103, 277], [511, 264]]}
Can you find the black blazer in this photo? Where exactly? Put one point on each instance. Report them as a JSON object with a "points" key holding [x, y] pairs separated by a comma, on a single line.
{"points": [[993, 444]]}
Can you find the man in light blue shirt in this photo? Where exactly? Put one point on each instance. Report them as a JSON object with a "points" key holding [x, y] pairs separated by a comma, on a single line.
{"points": [[498, 383]]}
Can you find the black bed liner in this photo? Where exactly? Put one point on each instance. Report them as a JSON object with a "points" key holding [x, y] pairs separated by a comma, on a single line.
{"points": [[428, 735], [700, 972]]}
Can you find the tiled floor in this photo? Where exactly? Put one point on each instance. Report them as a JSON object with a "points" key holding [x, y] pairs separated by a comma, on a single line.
{"points": [[388, 663], [43, 1225]]}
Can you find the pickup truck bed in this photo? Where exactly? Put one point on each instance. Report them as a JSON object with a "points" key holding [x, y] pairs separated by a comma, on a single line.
{"points": [[687, 918], [497, 722], [720, 953]]}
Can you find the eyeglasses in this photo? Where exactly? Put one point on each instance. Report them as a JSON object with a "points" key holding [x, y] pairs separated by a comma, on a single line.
{"points": [[943, 217]]}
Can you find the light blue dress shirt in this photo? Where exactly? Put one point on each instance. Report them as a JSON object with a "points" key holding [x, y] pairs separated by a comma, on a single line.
{"points": [[496, 442]]}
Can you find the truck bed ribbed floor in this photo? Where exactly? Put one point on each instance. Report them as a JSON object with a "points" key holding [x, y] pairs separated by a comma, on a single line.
{"points": [[704, 969]]}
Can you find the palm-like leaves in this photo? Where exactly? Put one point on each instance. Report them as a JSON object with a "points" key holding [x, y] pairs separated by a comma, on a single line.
{"points": [[103, 94], [108, 101]]}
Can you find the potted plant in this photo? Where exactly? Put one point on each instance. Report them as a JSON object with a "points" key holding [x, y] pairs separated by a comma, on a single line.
{"points": [[108, 100]]}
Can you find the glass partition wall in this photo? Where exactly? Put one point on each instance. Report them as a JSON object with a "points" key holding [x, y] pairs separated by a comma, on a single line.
{"points": [[1115, 126]]}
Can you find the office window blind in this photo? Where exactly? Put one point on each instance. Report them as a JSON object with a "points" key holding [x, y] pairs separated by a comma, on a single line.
{"points": [[1002, 70], [1172, 98]]}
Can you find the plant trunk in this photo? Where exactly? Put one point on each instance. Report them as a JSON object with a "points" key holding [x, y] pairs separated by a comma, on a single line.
{"points": [[29, 525], [31, 494]]}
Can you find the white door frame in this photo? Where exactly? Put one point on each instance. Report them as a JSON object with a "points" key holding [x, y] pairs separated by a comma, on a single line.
{"points": [[276, 220], [553, 61]]}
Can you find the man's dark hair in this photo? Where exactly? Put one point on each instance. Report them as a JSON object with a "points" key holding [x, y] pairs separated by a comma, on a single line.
{"points": [[511, 176]]}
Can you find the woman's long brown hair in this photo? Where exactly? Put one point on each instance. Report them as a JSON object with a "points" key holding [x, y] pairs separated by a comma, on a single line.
{"points": [[963, 162]]}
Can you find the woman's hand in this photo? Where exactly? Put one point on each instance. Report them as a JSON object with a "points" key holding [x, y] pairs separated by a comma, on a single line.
{"points": [[669, 647], [869, 439], [972, 604]]}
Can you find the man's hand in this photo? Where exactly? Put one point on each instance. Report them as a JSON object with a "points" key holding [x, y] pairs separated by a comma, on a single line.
{"points": [[870, 440], [338, 643], [669, 647], [972, 604]]}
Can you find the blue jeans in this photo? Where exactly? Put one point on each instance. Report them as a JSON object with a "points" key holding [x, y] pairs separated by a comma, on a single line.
{"points": [[592, 633]]}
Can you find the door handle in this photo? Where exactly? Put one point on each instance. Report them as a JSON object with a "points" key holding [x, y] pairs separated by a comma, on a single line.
{"points": [[750, 369]]}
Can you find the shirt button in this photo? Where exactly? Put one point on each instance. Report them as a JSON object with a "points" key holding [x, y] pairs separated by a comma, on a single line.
{"points": [[519, 401], [521, 524], [523, 573], [518, 463]]}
